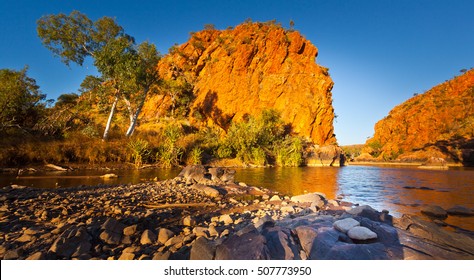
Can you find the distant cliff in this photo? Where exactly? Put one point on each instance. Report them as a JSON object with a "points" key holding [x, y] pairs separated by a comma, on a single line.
{"points": [[243, 70], [438, 123]]}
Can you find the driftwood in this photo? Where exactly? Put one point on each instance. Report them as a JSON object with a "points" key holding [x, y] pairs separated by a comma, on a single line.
{"points": [[177, 205]]}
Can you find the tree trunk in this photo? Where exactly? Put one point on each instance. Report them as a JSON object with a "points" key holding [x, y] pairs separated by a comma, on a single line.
{"points": [[133, 121], [109, 121]]}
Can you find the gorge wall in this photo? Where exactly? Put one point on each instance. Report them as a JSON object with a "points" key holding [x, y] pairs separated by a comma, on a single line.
{"points": [[438, 123], [244, 70]]}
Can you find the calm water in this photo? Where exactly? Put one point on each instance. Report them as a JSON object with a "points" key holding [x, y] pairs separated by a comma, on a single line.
{"points": [[397, 189]]}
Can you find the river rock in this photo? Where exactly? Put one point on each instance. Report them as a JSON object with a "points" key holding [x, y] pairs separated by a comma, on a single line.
{"points": [[434, 211], [280, 244], [148, 237], [109, 176], [112, 231], [226, 219], [365, 211], [361, 233], [37, 256], [306, 236], [73, 242], [460, 211], [164, 235], [237, 248], [202, 249], [130, 230], [310, 197], [189, 221], [275, 198], [207, 190], [127, 256], [345, 225], [197, 173]]}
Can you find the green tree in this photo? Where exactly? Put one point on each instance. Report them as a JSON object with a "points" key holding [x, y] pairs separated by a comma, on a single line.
{"points": [[21, 102], [125, 67]]}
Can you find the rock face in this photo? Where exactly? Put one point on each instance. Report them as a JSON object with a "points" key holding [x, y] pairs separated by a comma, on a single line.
{"points": [[435, 124], [243, 70]]}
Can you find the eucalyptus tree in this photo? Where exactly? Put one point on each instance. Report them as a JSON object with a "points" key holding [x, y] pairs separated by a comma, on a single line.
{"points": [[125, 67]]}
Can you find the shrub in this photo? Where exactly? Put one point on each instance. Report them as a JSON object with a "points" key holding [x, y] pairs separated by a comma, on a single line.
{"points": [[139, 151]]}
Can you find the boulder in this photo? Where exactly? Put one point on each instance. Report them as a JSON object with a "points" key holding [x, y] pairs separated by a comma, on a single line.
{"points": [[189, 221], [306, 236], [130, 230], [148, 237], [112, 231], [197, 173], [460, 211], [73, 242], [237, 248], [361, 233], [434, 211], [164, 235], [202, 249], [310, 198], [280, 244], [345, 225], [207, 190]]}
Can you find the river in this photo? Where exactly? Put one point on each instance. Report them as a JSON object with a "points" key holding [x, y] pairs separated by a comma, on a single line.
{"points": [[397, 189]]}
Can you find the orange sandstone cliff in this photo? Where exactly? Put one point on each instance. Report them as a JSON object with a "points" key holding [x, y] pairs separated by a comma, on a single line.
{"points": [[243, 70], [436, 124]]}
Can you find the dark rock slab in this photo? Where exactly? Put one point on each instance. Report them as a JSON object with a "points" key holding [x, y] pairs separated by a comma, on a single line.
{"points": [[73, 242], [203, 249], [237, 248], [460, 211], [434, 241], [306, 236], [326, 238], [280, 244], [434, 211], [345, 251]]}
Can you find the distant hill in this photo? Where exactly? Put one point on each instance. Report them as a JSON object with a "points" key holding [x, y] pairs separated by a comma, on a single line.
{"points": [[438, 123]]}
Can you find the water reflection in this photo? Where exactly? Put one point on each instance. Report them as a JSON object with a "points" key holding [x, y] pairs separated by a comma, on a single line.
{"points": [[399, 190]]}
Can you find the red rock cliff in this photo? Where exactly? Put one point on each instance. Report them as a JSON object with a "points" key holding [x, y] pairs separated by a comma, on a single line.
{"points": [[251, 67], [437, 123]]}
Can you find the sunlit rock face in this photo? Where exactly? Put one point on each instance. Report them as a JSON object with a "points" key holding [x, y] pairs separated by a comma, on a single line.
{"points": [[438, 124], [244, 70]]}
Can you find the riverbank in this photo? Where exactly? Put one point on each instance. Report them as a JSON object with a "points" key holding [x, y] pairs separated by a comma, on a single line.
{"points": [[204, 214]]}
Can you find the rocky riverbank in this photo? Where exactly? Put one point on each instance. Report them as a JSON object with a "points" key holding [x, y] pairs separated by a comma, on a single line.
{"points": [[204, 214]]}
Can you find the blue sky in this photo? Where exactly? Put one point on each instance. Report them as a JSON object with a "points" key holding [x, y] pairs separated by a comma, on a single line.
{"points": [[379, 52]]}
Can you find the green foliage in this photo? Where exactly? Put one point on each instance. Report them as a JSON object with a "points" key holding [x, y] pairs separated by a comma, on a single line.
{"points": [[21, 102], [169, 153], [139, 151], [195, 156], [376, 147], [289, 152]]}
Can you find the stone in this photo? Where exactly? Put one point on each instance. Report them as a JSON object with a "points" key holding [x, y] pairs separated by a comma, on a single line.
{"points": [[202, 249], [434, 211], [201, 231], [197, 173], [127, 256], [280, 244], [162, 255], [344, 251], [310, 197], [112, 231], [361, 233], [226, 219], [148, 237], [164, 235], [306, 236], [130, 230], [73, 242], [287, 209], [37, 256], [109, 176], [189, 221], [345, 225], [237, 248], [207, 190], [275, 198], [212, 231], [460, 211]]}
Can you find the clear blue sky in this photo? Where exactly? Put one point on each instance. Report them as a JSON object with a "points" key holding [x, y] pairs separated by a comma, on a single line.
{"points": [[379, 52]]}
